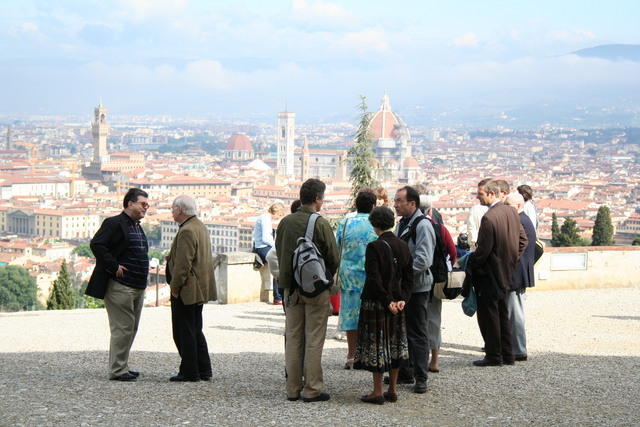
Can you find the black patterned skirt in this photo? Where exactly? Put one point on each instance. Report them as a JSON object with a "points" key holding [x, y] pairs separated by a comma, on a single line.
{"points": [[382, 338]]}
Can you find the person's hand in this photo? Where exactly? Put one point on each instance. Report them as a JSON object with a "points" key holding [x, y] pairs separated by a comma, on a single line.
{"points": [[393, 308], [166, 258], [400, 305], [120, 271], [176, 296]]}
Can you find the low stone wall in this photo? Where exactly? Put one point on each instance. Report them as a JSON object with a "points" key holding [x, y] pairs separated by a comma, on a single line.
{"points": [[238, 282], [584, 267]]}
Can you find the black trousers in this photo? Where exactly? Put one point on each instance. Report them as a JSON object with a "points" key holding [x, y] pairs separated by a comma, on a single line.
{"points": [[186, 321], [493, 319], [416, 317]]}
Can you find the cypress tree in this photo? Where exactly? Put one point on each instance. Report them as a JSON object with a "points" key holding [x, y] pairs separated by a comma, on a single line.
{"points": [[361, 154], [602, 229], [569, 233], [61, 297], [555, 230]]}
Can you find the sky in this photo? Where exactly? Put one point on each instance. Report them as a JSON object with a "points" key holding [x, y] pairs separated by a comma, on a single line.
{"points": [[246, 59]]}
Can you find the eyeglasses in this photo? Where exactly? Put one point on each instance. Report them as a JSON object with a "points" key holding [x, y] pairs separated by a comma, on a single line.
{"points": [[143, 204]]}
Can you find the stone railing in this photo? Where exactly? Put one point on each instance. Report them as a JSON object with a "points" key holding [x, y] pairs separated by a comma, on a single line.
{"points": [[583, 267], [237, 281]]}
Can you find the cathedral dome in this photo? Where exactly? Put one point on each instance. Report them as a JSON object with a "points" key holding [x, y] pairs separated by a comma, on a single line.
{"points": [[384, 123], [239, 142], [411, 162]]}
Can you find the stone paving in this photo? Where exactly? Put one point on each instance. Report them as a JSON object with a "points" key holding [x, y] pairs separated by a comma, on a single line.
{"points": [[584, 349]]}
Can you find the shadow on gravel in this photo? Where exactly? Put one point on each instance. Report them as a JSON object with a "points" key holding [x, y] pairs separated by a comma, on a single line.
{"points": [[249, 388], [619, 317]]}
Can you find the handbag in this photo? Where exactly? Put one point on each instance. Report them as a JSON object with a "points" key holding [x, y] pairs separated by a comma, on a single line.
{"points": [[538, 250], [470, 303], [452, 288]]}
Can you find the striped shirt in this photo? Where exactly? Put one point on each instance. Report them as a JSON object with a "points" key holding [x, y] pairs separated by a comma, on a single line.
{"points": [[135, 259]]}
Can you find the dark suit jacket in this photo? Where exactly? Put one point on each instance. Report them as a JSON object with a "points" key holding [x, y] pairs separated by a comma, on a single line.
{"points": [[111, 240], [379, 284], [501, 241], [523, 276]]}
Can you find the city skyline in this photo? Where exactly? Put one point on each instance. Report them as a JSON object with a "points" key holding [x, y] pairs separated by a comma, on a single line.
{"points": [[439, 63]]}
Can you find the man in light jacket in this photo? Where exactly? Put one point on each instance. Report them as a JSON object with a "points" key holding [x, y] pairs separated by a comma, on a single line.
{"points": [[417, 231], [190, 276]]}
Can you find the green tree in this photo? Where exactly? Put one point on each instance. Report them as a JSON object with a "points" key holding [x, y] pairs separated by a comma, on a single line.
{"points": [[62, 295], [153, 232], [361, 155], [83, 249], [636, 241], [154, 253], [18, 290], [602, 229], [570, 234], [555, 230]]}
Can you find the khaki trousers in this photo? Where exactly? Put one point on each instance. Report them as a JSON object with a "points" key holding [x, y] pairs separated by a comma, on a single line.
{"points": [[305, 331], [124, 306]]}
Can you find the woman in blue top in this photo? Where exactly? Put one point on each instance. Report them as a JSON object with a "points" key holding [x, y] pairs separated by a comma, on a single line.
{"points": [[353, 235], [263, 239]]}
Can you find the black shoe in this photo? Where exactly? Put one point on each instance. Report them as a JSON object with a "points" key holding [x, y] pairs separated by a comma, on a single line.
{"points": [[293, 399], [420, 387], [486, 362], [401, 380], [205, 377], [135, 373], [376, 400], [182, 378], [521, 358], [322, 397], [390, 397], [508, 362], [127, 376]]}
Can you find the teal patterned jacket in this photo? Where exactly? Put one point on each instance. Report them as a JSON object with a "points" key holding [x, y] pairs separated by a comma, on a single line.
{"points": [[352, 243]]}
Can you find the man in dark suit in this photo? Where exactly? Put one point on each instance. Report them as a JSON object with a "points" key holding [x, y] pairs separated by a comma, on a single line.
{"points": [[523, 278], [120, 278], [501, 241], [190, 275]]}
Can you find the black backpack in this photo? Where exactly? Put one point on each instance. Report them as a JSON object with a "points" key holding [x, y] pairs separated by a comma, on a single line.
{"points": [[439, 269]]}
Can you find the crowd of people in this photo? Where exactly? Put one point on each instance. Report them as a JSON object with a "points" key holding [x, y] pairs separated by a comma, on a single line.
{"points": [[386, 273]]}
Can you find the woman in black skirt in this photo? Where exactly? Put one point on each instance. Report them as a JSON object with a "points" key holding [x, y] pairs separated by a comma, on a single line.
{"points": [[382, 334]]}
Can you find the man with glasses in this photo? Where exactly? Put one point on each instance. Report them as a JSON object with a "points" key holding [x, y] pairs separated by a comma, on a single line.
{"points": [[120, 278]]}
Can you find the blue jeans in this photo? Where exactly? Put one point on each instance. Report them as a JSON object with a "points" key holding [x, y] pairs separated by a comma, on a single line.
{"points": [[262, 253]]}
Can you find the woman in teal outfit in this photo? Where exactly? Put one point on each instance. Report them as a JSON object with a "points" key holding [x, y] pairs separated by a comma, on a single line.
{"points": [[353, 235]]}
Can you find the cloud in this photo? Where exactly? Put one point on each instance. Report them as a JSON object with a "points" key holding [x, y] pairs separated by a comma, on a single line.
{"points": [[140, 10], [571, 35], [370, 40], [319, 14], [466, 40], [208, 74]]}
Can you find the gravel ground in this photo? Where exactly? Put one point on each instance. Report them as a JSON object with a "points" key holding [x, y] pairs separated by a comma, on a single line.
{"points": [[584, 359]]}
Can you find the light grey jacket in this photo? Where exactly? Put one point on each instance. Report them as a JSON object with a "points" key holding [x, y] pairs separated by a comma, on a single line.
{"points": [[421, 251]]}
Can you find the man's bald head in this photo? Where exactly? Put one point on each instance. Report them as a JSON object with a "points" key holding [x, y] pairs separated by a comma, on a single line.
{"points": [[516, 200]]}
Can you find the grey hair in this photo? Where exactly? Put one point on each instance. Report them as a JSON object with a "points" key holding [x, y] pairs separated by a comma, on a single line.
{"points": [[425, 202], [186, 204], [515, 199]]}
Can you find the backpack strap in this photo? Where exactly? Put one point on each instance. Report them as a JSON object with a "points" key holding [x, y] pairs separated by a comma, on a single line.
{"points": [[311, 225], [394, 276], [413, 228]]}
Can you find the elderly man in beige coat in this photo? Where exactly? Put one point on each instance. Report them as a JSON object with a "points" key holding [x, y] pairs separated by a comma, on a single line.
{"points": [[190, 276]]}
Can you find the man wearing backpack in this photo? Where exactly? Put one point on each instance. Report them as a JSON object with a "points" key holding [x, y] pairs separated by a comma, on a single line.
{"points": [[418, 232], [306, 316]]}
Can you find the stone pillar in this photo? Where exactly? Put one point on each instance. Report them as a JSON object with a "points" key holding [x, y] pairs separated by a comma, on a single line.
{"points": [[237, 281]]}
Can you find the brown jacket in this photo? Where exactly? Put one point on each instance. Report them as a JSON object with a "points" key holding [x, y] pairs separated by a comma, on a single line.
{"points": [[501, 241], [191, 264]]}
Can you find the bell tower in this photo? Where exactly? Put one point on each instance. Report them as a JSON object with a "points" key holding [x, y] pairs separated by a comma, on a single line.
{"points": [[100, 131], [285, 136]]}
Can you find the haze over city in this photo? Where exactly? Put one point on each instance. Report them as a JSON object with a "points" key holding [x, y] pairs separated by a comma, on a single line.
{"points": [[463, 64]]}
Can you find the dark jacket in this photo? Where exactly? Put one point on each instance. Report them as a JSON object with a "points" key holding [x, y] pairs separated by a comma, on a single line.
{"points": [[379, 284], [501, 241], [523, 276], [111, 241]]}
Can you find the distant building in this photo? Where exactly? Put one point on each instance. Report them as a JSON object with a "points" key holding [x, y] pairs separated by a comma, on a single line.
{"points": [[239, 148], [285, 138]]}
